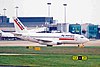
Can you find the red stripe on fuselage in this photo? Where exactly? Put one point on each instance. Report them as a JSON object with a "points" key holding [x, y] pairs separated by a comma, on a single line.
{"points": [[66, 38], [18, 25]]}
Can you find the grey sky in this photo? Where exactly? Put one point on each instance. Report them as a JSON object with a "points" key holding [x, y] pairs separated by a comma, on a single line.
{"points": [[78, 11]]}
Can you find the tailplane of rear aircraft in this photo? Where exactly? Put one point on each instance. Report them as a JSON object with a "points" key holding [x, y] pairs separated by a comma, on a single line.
{"points": [[1, 31], [19, 27]]}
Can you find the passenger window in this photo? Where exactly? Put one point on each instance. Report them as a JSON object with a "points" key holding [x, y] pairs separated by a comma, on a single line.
{"points": [[62, 35]]}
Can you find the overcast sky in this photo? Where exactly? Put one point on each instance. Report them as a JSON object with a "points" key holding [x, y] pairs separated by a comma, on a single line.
{"points": [[78, 11]]}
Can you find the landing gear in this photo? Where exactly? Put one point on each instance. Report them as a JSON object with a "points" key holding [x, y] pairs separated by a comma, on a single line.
{"points": [[49, 45], [81, 46]]}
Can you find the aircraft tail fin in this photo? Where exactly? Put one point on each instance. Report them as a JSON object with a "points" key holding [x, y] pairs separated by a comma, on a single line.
{"points": [[19, 27]]}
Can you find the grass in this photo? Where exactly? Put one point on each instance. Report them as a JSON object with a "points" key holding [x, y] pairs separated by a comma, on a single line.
{"points": [[51, 57]]}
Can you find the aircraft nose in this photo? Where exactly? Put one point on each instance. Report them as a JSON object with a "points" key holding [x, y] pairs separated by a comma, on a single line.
{"points": [[87, 40]]}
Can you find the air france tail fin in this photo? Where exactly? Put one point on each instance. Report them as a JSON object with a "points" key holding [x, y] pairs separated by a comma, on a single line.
{"points": [[19, 27]]}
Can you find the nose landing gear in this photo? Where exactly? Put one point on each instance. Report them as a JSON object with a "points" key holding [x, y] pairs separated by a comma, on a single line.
{"points": [[81, 46]]}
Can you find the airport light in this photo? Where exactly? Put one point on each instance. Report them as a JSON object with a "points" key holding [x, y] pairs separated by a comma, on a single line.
{"points": [[4, 11], [49, 4], [16, 11], [65, 12], [64, 17]]}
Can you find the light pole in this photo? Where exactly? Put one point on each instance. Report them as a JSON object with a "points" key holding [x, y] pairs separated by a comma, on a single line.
{"points": [[49, 4], [16, 11], [4, 11], [65, 12], [67, 27]]}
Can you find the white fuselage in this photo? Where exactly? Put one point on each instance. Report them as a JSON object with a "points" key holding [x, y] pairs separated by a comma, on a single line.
{"points": [[5, 34], [65, 38]]}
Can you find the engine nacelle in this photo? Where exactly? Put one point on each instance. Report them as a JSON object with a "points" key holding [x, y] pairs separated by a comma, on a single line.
{"points": [[58, 43]]}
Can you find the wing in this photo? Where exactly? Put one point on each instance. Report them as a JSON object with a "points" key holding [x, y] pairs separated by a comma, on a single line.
{"points": [[48, 42], [43, 40]]}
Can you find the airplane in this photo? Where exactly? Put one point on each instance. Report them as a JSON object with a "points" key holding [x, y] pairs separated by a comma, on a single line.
{"points": [[7, 35], [30, 30], [10, 35], [48, 39]]}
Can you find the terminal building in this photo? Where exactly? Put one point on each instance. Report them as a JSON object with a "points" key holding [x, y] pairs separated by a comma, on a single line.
{"points": [[4, 22], [4, 19], [36, 21], [89, 30], [59, 27], [98, 33], [29, 22], [63, 27], [75, 28]]}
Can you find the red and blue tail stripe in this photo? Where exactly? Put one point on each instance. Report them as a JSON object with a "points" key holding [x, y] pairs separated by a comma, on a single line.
{"points": [[18, 23]]}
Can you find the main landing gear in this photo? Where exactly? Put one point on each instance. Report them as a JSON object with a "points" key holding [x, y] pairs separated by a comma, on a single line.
{"points": [[49, 45]]}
